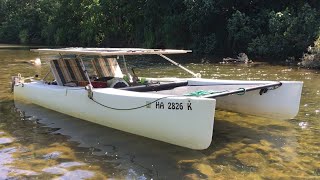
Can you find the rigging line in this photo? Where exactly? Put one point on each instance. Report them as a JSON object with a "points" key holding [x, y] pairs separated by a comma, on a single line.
{"points": [[46, 75], [128, 109]]}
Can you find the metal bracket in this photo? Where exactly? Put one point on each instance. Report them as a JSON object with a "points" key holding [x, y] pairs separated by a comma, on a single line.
{"points": [[263, 91]]}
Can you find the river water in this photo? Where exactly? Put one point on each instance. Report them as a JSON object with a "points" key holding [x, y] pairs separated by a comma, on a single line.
{"points": [[39, 143]]}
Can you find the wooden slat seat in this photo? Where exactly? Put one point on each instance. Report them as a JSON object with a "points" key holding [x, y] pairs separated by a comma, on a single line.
{"points": [[107, 67], [67, 70]]}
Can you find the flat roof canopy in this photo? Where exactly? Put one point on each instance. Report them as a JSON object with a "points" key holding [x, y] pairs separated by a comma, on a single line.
{"points": [[110, 51]]}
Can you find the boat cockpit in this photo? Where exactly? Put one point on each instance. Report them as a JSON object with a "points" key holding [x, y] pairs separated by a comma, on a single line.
{"points": [[102, 72]]}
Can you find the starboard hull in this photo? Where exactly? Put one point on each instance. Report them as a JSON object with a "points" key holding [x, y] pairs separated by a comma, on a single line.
{"points": [[278, 100], [280, 103]]}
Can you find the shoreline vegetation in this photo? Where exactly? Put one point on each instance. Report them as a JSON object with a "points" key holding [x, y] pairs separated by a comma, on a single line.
{"points": [[265, 30], [311, 59]]}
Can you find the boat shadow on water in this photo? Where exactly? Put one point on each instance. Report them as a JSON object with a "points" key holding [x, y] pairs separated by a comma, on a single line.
{"points": [[132, 154]]}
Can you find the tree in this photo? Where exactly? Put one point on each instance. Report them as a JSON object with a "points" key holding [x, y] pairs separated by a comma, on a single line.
{"points": [[240, 31], [290, 33]]}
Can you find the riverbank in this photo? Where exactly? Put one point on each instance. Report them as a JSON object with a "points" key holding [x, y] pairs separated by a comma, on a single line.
{"points": [[311, 59], [22, 46]]}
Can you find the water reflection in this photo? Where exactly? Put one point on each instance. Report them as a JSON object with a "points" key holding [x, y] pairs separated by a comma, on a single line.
{"points": [[34, 155], [132, 155]]}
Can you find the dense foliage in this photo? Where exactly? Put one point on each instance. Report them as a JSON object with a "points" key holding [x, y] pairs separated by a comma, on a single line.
{"points": [[268, 29]]}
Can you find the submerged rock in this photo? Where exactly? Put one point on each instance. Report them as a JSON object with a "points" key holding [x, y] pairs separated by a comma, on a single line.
{"points": [[311, 61], [52, 155], [204, 169], [242, 58], [36, 62], [250, 159]]}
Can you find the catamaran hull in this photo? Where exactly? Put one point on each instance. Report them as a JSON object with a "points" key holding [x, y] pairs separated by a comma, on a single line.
{"points": [[183, 121], [276, 104], [271, 99], [172, 118], [280, 103]]}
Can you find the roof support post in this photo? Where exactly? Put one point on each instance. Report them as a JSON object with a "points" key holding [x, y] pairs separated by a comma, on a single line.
{"points": [[126, 69], [196, 75], [89, 87]]}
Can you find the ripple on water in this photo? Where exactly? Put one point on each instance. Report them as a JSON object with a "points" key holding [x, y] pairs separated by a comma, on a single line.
{"points": [[133, 175], [303, 125], [61, 168], [55, 170], [17, 172], [5, 156], [7, 171], [5, 140], [76, 174], [70, 164]]}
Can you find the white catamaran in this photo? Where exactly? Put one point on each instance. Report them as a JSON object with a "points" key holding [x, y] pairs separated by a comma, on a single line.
{"points": [[179, 111]]}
